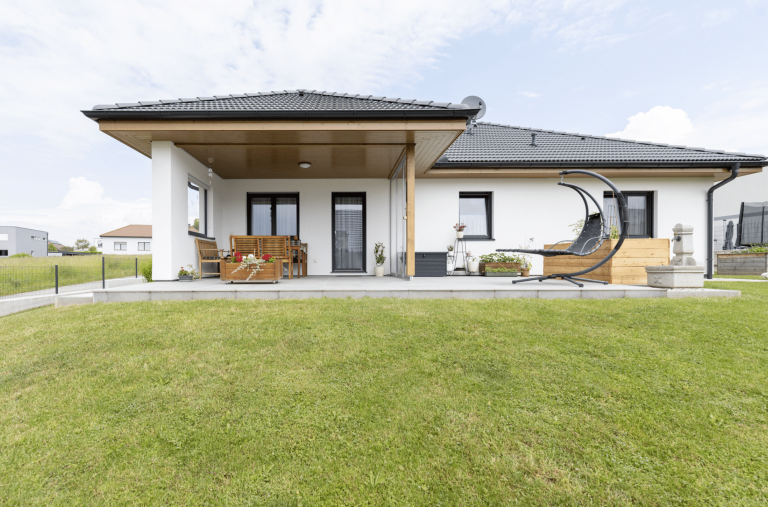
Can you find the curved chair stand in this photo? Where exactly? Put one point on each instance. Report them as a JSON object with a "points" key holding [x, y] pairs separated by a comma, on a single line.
{"points": [[591, 237]]}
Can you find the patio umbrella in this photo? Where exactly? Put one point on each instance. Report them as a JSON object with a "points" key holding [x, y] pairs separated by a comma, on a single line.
{"points": [[729, 237]]}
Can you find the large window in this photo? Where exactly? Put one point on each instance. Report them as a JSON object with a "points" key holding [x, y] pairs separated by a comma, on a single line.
{"points": [[143, 247], [197, 209], [121, 246], [476, 212], [273, 214], [640, 206]]}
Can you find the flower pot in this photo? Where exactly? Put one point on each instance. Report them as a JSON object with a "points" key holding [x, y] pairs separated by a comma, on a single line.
{"points": [[378, 271], [459, 234], [185, 278], [525, 272], [473, 266]]}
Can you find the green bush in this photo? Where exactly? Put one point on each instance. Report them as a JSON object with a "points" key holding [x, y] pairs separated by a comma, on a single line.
{"points": [[145, 269], [19, 255]]}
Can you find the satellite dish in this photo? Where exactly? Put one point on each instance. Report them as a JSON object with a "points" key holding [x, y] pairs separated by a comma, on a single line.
{"points": [[475, 103]]}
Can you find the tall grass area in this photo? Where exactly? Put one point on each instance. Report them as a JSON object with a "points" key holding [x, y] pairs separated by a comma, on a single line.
{"points": [[29, 274], [388, 402]]}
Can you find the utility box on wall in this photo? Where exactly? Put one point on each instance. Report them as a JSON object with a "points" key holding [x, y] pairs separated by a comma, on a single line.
{"points": [[431, 264]]}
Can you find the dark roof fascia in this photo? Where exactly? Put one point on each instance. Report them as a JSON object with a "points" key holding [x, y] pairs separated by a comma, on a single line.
{"points": [[613, 165], [397, 114]]}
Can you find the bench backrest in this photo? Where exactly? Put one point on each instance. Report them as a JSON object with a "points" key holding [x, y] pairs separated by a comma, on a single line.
{"points": [[276, 246], [246, 245], [207, 249]]}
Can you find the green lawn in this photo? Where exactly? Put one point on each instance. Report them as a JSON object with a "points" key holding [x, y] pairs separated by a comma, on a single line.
{"points": [[742, 277], [388, 402], [28, 274]]}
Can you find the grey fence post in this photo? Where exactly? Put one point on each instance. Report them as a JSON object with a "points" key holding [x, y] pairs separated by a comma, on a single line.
{"points": [[103, 282], [137, 267], [57, 278]]}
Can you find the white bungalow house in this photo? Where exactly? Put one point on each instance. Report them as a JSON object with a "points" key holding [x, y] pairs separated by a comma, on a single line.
{"points": [[128, 240], [345, 171]]}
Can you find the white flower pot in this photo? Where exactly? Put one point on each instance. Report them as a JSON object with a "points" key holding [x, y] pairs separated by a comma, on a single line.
{"points": [[378, 271], [459, 234], [473, 266]]}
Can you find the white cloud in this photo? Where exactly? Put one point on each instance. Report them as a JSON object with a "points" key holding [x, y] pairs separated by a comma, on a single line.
{"points": [[530, 95], [724, 127], [85, 212], [717, 17], [661, 124]]}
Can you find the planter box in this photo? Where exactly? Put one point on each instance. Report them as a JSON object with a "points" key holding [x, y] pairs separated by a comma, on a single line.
{"points": [[507, 265], [489, 273], [270, 272], [185, 278], [626, 267], [742, 264]]}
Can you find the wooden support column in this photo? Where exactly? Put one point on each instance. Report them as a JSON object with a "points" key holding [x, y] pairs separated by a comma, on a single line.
{"points": [[410, 209]]}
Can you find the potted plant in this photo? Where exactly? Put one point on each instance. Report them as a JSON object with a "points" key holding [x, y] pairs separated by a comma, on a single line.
{"points": [[459, 230], [501, 272], [188, 274], [473, 263], [499, 260], [378, 253]]}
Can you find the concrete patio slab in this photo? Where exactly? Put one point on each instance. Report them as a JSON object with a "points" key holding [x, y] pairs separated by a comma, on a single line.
{"points": [[461, 287]]}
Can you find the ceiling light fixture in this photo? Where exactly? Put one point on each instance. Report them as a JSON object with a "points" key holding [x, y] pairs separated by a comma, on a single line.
{"points": [[305, 165]]}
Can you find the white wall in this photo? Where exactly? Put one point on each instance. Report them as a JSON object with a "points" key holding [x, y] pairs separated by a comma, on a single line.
{"points": [[540, 209], [108, 246], [173, 247], [315, 226], [523, 209]]}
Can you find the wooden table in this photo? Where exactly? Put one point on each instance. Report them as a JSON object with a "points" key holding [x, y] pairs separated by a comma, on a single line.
{"points": [[301, 256]]}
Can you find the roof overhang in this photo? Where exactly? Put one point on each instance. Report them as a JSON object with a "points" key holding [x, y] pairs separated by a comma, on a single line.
{"points": [[717, 171], [349, 148], [385, 114]]}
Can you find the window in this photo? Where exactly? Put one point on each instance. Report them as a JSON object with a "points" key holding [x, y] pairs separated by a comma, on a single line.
{"points": [[3, 237], [476, 212], [3, 253], [640, 206], [197, 209], [273, 214], [143, 247], [121, 246]]}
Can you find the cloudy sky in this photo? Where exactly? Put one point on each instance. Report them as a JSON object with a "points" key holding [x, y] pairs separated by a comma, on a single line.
{"points": [[684, 72]]}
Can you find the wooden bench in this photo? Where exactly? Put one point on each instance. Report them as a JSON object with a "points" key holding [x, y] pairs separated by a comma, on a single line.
{"points": [[276, 246], [209, 253]]}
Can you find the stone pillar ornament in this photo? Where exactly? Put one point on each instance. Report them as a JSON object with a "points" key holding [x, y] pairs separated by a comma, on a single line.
{"points": [[682, 271]]}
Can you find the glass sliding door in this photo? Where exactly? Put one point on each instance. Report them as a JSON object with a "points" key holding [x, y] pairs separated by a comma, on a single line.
{"points": [[348, 218], [273, 214], [397, 206]]}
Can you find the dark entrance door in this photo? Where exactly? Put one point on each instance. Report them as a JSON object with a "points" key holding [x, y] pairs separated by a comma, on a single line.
{"points": [[348, 217]]}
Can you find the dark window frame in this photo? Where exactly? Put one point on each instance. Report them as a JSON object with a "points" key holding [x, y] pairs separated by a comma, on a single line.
{"points": [[649, 204], [273, 196], [203, 234], [3, 253], [488, 196], [334, 195]]}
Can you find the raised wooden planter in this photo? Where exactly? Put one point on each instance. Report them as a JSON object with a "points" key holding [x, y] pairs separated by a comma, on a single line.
{"points": [[270, 272], [626, 267], [742, 264]]}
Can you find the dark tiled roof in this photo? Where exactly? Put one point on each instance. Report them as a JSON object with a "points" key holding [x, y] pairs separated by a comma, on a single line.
{"points": [[286, 103], [494, 145]]}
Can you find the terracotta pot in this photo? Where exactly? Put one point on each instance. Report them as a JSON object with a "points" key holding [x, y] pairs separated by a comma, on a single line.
{"points": [[525, 272]]}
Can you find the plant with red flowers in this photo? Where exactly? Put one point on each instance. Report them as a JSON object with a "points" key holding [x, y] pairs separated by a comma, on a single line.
{"points": [[268, 258]]}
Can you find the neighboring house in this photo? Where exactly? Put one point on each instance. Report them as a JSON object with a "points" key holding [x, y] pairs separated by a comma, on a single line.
{"points": [[56, 244], [345, 171], [128, 240], [15, 240]]}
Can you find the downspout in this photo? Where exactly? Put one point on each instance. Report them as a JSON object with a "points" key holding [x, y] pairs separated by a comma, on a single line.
{"points": [[711, 218]]}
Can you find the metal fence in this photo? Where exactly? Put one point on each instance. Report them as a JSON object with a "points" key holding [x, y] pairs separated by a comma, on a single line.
{"points": [[39, 280]]}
